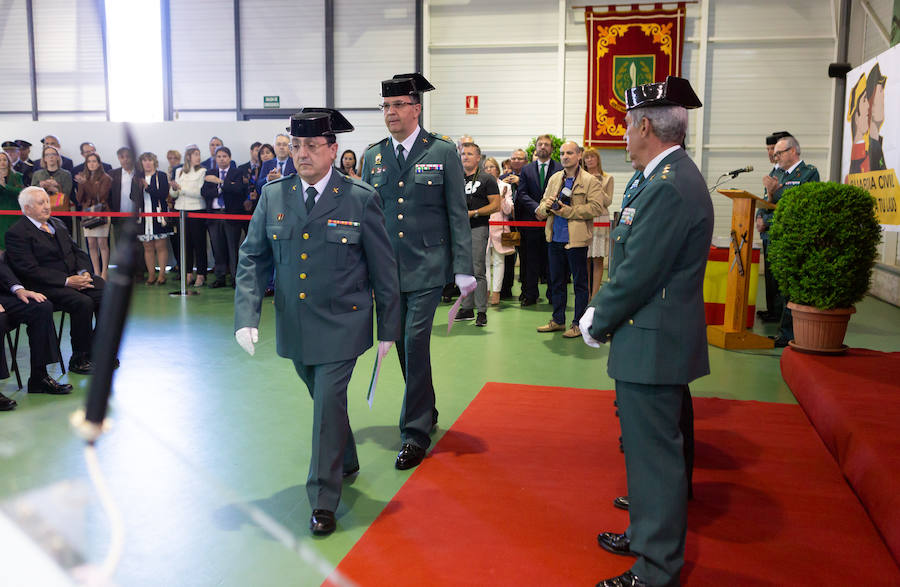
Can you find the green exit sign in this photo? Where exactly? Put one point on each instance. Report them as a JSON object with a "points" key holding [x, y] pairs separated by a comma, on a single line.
{"points": [[272, 101]]}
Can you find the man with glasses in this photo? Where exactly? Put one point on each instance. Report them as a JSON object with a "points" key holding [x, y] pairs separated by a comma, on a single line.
{"points": [[794, 171], [772, 312], [420, 179], [324, 233], [278, 167]]}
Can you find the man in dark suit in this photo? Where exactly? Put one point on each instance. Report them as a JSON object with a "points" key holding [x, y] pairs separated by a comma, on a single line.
{"points": [[420, 178], [533, 246], [250, 173], [278, 167], [324, 233], [652, 311], [214, 144], [225, 193], [23, 306], [86, 149], [43, 255]]}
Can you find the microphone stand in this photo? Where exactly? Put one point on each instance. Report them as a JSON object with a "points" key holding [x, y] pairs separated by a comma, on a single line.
{"points": [[720, 181]]}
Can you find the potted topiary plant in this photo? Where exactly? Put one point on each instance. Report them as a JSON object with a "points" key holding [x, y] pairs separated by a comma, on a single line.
{"points": [[824, 240]]}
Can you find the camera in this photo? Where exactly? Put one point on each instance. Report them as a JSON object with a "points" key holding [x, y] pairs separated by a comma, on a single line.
{"points": [[565, 197]]}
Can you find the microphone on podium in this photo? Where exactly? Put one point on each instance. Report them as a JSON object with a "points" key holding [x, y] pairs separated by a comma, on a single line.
{"points": [[735, 172]]}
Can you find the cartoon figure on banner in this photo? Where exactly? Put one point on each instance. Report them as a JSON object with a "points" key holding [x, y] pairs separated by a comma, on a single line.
{"points": [[875, 83], [858, 116]]}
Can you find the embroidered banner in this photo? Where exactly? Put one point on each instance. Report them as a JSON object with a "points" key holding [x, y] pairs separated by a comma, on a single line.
{"points": [[625, 49]]}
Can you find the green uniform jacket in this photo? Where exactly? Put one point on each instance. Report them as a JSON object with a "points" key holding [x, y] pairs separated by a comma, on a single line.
{"points": [[326, 264], [652, 306], [425, 209], [801, 174]]}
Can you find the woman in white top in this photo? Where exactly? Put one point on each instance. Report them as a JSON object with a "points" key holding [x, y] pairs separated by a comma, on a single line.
{"points": [[496, 251], [186, 193], [597, 249]]}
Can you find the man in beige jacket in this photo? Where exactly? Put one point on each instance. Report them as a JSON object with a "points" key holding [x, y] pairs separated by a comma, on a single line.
{"points": [[572, 198]]}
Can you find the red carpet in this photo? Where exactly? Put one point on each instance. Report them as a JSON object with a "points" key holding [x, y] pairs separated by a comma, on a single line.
{"points": [[517, 490], [854, 403]]}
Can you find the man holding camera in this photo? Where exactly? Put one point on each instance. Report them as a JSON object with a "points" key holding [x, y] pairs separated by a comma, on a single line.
{"points": [[570, 202]]}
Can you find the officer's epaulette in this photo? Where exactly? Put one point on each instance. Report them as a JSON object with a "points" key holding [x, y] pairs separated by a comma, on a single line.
{"points": [[443, 138], [357, 182], [282, 178], [373, 144], [811, 166]]}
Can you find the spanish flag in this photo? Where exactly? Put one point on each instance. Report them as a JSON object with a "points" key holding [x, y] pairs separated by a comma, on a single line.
{"points": [[715, 284]]}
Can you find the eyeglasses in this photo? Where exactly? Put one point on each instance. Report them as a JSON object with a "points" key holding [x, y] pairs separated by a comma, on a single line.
{"points": [[395, 105], [309, 145], [777, 153]]}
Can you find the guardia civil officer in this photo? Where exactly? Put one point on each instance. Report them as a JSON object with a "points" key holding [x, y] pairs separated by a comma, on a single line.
{"points": [[652, 313], [421, 182], [324, 235]]}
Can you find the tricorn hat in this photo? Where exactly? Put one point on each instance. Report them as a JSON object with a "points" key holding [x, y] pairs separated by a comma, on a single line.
{"points": [[9, 145], [675, 91], [777, 136], [404, 84], [318, 122], [23, 143]]}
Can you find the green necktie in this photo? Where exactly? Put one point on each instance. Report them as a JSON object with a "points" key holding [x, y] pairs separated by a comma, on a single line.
{"points": [[311, 194], [541, 171], [400, 158]]}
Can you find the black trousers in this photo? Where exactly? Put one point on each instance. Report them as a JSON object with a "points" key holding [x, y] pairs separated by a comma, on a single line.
{"points": [[195, 246], [235, 231], [38, 318], [83, 306], [532, 258], [509, 270], [773, 295]]}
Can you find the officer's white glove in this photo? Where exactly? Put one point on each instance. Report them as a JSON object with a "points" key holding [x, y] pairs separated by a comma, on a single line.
{"points": [[245, 337], [383, 347], [585, 325], [465, 283]]}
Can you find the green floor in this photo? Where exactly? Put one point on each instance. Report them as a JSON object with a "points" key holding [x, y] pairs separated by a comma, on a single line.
{"points": [[209, 447]]}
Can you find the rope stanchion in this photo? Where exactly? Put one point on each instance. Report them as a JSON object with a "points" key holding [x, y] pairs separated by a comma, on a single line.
{"points": [[182, 246], [530, 223]]}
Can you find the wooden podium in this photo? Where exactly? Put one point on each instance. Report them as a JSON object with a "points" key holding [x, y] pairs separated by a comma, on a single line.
{"points": [[732, 334]]}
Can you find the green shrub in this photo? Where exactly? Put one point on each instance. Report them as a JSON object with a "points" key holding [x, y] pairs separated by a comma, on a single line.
{"points": [[557, 143], [824, 238]]}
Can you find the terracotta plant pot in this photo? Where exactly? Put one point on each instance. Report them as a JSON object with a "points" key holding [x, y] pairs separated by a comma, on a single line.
{"points": [[819, 331]]}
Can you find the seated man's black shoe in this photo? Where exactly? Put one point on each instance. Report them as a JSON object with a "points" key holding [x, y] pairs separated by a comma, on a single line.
{"points": [[615, 543], [46, 384], [626, 579], [81, 365], [409, 456], [322, 522], [7, 404], [350, 472], [220, 282], [622, 502]]}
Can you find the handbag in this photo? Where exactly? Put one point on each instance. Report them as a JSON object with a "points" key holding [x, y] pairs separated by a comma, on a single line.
{"points": [[510, 239], [94, 221]]}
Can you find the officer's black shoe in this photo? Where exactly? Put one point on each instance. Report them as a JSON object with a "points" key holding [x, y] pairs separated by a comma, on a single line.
{"points": [[409, 456], [220, 282], [615, 543], [465, 315], [322, 522], [780, 341], [81, 365], [7, 404], [626, 579], [270, 291], [622, 502], [481, 319], [46, 384], [351, 471]]}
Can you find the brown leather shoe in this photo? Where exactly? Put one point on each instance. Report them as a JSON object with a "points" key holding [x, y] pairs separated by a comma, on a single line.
{"points": [[573, 332], [495, 298], [551, 327]]}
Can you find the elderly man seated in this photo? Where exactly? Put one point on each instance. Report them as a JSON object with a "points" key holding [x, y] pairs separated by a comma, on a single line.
{"points": [[22, 306], [43, 255]]}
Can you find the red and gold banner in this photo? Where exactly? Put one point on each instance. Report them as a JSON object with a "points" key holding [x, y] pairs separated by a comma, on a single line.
{"points": [[626, 49]]}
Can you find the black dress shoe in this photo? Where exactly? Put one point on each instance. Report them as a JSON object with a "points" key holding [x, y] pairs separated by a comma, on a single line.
{"points": [[409, 456], [528, 302], [322, 522], [350, 472], [615, 543], [270, 291], [47, 384], [218, 283], [626, 579], [622, 502], [81, 366], [780, 341], [7, 404]]}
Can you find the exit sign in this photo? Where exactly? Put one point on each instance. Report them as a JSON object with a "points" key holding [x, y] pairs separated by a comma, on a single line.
{"points": [[271, 101]]}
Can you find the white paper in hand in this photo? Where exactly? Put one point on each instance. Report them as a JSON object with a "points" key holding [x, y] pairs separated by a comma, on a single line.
{"points": [[383, 348], [454, 310]]}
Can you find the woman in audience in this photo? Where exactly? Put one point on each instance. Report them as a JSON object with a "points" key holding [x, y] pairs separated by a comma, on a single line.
{"points": [[348, 163], [496, 250], [93, 191], [57, 182], [174, 158], [10, 186], [156, 230], [266, 152], [597, 249], [185, 190]]}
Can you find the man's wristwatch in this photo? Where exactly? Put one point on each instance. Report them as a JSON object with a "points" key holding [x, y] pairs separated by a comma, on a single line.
{"points": [[475, 215]]}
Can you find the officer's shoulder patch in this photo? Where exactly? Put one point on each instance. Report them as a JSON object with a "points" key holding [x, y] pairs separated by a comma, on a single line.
{"points": [[811, 167], [443, 138], [358, 183], [375, 144], [281, 179]]}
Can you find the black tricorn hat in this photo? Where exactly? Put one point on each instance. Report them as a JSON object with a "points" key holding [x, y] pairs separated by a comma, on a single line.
{"points": [[404, 84], [874, 80], [23, 143], [9, 145], [675, 91], [777, 136], [318, 122]]}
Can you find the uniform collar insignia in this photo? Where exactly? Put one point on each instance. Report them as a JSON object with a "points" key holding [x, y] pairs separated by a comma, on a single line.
{"points": [[294, 188], [424, 139], [280, 217], [336, 190]]}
